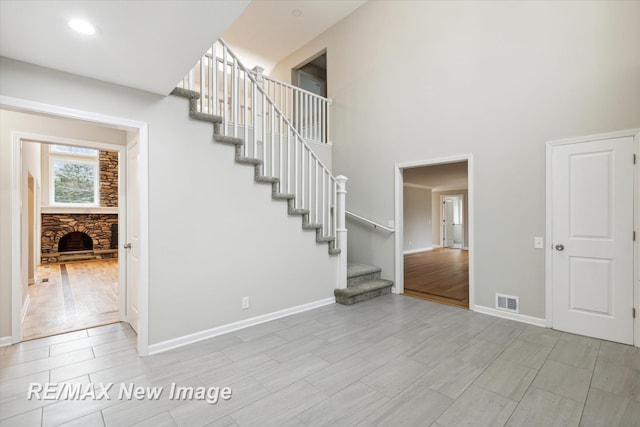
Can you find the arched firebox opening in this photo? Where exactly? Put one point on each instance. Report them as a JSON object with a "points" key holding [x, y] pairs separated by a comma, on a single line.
{"points": [[75, 241]]}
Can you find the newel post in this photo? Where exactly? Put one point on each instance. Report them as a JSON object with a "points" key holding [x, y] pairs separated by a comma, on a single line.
{"points": [[341, 230]]}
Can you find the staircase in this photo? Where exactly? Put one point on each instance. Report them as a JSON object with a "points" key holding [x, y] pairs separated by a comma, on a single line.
{"points": [[269, 123], [363, 283], [259, 177]]}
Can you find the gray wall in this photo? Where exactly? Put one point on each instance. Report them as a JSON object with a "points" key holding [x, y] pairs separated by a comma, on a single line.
{"points": [[417, 80], [417, 219], [241, 243]]}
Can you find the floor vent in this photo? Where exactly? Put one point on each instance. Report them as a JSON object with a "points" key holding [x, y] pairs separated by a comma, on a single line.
{"points": [[507, 303]]}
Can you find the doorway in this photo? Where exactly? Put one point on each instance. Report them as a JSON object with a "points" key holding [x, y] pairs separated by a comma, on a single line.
{"points": [[433, 230], [135, 129], [72, 262], [311, 74]]}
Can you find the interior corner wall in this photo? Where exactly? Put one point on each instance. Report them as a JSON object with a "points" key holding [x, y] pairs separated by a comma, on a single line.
{"points": [[437, 215], [215, 235], [417, 218], [492, 79]]}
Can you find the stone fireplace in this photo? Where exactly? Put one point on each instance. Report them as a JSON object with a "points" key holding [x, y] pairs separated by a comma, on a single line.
{"points": [[78, 232]]}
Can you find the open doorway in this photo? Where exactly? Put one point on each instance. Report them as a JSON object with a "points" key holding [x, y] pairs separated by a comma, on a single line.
{"points": [[435, 249], [311, 75], [73, 268]]}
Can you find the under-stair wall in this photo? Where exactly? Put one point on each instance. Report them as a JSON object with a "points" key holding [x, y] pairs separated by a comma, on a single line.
{"points": [[215, 235]]}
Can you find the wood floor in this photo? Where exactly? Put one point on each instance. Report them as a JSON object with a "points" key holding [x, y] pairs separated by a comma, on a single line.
{"points": [[441, 275], [71, 296]]}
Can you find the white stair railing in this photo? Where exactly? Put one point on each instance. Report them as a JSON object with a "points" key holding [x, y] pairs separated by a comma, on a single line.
{"points": [[229, 90], [308, 112]]}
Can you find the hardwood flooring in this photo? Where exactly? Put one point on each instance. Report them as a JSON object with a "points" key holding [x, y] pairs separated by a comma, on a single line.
{"points": [[441, 275], [71, 296]]}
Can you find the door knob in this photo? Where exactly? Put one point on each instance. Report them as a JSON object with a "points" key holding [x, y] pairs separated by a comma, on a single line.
{"points": [[560, 247], [127, 245]]}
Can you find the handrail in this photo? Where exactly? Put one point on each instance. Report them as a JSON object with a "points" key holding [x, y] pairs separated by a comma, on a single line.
{"points": [[296, 88], [370, 222], [276, 109]]}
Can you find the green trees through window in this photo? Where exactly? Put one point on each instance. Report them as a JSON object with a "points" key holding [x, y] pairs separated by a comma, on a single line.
{"points": [[74, 182]]}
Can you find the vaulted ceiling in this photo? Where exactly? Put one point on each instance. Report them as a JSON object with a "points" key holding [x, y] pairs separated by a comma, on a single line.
{"points": [[150, 45]]}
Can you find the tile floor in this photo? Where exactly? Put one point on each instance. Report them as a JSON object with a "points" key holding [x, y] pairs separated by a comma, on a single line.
{"points": [[391, 361]]}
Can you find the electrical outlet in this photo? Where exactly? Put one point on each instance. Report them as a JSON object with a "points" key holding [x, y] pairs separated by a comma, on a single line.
{"points": [[538, 243], [245, 303]]}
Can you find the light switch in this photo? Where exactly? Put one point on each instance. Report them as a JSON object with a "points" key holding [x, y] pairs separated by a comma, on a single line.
{"points": [[538, 242]]}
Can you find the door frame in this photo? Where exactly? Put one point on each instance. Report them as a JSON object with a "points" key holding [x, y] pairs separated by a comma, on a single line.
{"points": [[399, 218], [30, 107], [548, 254]]}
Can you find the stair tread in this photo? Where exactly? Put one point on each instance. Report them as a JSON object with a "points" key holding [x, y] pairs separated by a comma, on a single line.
{"points": [[283, 196], [356, 270], [248, 160], [206, 117], [228, 140], [324, 239], [298, 211], [311, 226], [363, 287], [267, 179], [185, 93]]}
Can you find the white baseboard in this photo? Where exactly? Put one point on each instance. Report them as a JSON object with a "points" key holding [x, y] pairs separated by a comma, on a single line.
{"points": [[415, 251], [25, 307], [436, 246], [536, 321], [225, 329], [5, 341], [465, 248]]}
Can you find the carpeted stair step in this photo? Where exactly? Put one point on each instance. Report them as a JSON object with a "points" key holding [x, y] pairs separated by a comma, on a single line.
{"points": [[267, 179], [357, 273], [231, 140], [282, 196], [362, 291]]}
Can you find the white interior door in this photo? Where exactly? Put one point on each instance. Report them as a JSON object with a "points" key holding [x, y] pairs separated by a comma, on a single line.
{"points": [[133, 233], [447, 223], [592, 261]]}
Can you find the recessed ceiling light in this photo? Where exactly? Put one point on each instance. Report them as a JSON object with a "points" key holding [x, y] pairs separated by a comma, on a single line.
{"points": [[82, 27], [296, 13]]}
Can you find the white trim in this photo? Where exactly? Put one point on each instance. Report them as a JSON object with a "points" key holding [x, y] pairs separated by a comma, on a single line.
{"points": [[635, 133], [536, 321], [422, 187], [399, 244], [5, 341], [230, 327], [438, 246], [25, 308], [78, 210], [465, 248], [22, 105], [415, 251]]}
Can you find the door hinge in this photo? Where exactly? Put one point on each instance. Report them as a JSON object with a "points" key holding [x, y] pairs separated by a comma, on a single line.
{"points": [[634, 159], [634, 236], [634, 312]]}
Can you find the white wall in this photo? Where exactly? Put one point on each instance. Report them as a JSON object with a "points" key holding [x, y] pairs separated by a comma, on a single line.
{"points": [[417, 219], [494, 79], [215, 235]]}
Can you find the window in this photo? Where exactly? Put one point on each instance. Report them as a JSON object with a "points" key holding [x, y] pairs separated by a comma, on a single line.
{"points": [[73, 176]]}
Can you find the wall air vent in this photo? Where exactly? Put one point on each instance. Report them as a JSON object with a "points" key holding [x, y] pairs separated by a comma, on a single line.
{"points": [[507, 303]]}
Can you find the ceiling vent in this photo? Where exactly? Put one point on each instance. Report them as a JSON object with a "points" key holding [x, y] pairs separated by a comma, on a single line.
{"points": [[507, 303]]}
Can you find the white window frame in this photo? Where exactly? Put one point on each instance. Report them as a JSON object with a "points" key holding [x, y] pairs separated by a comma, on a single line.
{"points": [[73, 158]]}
